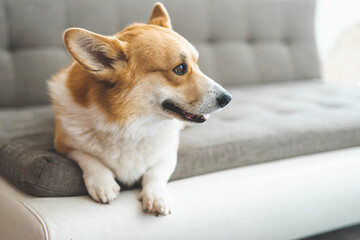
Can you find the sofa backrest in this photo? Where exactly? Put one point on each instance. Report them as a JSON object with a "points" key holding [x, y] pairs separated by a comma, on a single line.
{"points": [[240, 41]]}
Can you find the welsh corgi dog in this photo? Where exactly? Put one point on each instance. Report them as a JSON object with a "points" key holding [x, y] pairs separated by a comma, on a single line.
{"points": [[121, 103]]}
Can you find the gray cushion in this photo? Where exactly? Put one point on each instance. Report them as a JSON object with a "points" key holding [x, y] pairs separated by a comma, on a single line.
{"points": [[37, 169], [263, 123], [240, 41]]}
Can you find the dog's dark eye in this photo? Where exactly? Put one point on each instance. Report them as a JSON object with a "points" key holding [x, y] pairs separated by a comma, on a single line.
{"points": [[180, 69]]}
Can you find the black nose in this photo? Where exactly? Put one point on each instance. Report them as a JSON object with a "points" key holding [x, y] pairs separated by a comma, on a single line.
{"points": [[224, 99]]}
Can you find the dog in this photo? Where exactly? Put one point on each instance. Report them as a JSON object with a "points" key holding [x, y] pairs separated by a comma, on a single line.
{"points": [[121, 103]]}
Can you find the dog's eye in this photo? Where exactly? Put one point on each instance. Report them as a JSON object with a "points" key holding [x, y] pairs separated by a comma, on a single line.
{"points": [[180, 69]]}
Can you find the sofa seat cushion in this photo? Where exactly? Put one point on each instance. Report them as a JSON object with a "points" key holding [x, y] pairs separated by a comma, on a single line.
{"points": [[262, 123]]}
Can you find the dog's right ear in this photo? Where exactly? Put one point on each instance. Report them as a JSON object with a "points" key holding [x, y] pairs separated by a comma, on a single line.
{"points": [[159, 16], [94, 52]]}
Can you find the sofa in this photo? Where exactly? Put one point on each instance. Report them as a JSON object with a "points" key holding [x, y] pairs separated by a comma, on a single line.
{"points": [[280, 162]]}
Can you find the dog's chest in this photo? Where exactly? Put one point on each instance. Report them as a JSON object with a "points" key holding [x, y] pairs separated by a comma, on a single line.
{"points": [[130, 151]]}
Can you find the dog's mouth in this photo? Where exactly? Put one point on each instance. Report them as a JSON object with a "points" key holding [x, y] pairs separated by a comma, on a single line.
{"points": [[171, 107]]}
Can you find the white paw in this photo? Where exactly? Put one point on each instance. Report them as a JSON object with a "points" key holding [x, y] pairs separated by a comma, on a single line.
{"points": [[102, 188], [156, 200]]}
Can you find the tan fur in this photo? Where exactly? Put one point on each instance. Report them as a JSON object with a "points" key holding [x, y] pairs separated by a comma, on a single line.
{"points": [[160, 16]]}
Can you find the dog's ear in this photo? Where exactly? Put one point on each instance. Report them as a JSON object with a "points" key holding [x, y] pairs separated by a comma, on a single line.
{"points": [[159, 16], [96, 53]]}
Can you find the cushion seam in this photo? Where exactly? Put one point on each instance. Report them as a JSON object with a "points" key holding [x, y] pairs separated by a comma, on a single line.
{"points": [[40, 173]]}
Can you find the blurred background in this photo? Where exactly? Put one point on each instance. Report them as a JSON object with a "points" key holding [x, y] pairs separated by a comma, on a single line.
{"points": [[337, 27]]}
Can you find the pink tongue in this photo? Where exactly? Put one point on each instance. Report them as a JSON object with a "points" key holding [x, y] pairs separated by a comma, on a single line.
{"points": [[192, 116], [189, 116]]}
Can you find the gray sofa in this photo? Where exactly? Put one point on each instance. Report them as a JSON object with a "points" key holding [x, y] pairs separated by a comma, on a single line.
{"points": [[228, 184]]}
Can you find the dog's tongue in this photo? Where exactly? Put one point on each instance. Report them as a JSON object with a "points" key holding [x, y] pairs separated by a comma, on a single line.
{"points": [[193, 117]]}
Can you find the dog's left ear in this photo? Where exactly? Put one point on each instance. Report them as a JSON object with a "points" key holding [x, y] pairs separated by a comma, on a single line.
{"points": [[96, 53], [160, 16]]}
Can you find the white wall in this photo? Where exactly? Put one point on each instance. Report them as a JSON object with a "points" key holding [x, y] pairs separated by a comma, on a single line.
{"points": [[332, 18]]}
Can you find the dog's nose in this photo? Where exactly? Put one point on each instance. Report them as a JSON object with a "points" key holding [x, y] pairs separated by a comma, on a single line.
{"points": [[223, 99]]}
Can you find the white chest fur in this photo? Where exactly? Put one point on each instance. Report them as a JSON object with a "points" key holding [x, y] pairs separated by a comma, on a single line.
{"points": [[127, 151]]}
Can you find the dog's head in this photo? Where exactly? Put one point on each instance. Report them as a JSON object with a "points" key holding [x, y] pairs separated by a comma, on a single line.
{"points": [[146, 69]]}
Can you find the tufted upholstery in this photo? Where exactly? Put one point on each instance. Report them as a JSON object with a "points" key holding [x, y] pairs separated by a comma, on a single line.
{"points": [[239, 41]]}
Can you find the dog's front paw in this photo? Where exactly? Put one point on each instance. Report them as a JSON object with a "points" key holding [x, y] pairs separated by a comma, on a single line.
{"points": [[156, 200], [102, 188]]}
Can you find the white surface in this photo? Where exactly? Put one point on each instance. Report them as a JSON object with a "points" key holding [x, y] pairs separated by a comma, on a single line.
{"points": [[333, 17], [283, 199], [343, 64], [18, 220]]}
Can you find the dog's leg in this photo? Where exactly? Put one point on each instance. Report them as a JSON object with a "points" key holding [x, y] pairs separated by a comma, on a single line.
{"points": [[99, 180], [154, 195]]}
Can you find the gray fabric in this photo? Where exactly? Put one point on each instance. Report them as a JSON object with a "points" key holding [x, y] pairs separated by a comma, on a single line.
{"points": [[20, 122], [263, 123], [37, 169], [3, 27], [35, 23], [239, 41], [37, 65], [8, 86]]}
